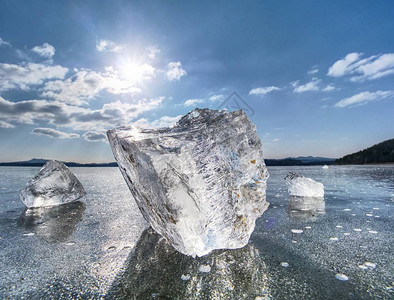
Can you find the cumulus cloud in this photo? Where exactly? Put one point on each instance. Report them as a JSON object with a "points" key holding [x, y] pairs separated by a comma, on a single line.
{"points": [[53, 133], [192, 102], [343, 66], [6, 125], [364, 98], [261, 91], [370, 68], [45, 50], [164, 121], [4, 43], [310, 86], [329, 88], [216, 97], [23, 76], [84, 85], [175, 71], [95, 136], [60, 114], [108, 46], [313, 71], [153, 51]]}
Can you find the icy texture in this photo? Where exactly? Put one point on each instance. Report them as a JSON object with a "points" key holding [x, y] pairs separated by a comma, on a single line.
{"points": [[54, 184], [301, 186], [201, 183]]}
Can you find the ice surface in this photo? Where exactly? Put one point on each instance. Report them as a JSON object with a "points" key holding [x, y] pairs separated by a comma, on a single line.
{"points": [[201, 183], [299, 185], [157, 271], [53, 185]]}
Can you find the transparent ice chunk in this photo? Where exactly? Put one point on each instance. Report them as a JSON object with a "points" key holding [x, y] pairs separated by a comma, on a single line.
{"points": [[53, 185], [301, 186], [200, 183]]}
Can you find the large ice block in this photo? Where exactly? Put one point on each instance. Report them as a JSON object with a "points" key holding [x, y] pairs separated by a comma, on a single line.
{"points": [[200, 183], [301, 186], [53, 185]]}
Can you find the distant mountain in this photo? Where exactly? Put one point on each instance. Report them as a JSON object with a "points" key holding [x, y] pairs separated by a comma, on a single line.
{"points": [[300, 161], [39, 162], [377, 154]]}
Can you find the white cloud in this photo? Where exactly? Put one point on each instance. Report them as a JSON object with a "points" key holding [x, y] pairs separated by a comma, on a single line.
{"points": [[193, 102], [84, 85], [343, 66], [263, 90], [276, 140], [45, 50], [95, 136], [6, 125], [369, 68], [313, 71], [162, 122], [364, 98], [175, 71], [310, 86], [23, 76], [216, 97], [60, 114], [108, 46], [4, 43], [329, 88], [153, 51], [53, 133]]}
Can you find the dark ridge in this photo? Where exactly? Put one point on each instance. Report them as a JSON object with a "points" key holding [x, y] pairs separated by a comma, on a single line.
{"points": [[35, 162], [377, 154]]}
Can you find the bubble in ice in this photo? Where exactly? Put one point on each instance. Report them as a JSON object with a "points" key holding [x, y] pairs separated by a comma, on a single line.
{"points": [[284, 264], [205, 268], [185, 277], [341, 277], [364, 267], [370, 265]]}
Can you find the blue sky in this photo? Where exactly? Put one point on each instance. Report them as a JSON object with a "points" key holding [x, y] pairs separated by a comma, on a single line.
{"points": [[318, 74]]}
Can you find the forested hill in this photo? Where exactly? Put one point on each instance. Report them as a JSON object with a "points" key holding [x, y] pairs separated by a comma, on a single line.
{"points": [[379, 153]]}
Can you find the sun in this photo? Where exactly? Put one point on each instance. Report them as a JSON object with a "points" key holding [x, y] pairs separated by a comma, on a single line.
{"points": [[135, 70], [131, 71]]}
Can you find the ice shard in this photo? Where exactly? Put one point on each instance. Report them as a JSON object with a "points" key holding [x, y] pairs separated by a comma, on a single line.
{"points": [[200, 183], [54, 184], [301, 186]]}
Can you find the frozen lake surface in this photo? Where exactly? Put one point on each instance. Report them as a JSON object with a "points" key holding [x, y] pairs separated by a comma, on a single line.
{"points": [[339, 248]]}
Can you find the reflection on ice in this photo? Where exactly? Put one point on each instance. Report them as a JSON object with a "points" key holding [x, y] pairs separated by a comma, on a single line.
{"points": [[54, 224], [157, 270], [305, 208]]}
